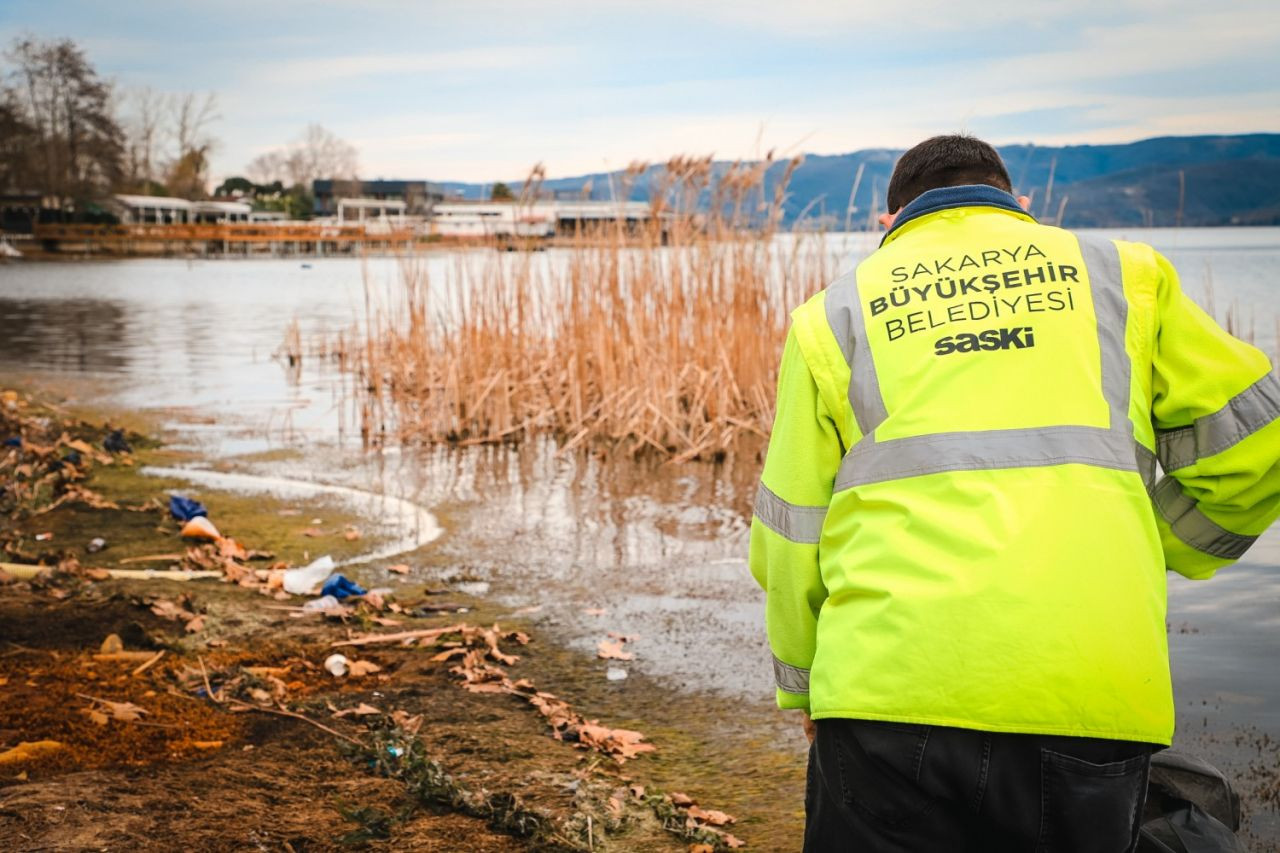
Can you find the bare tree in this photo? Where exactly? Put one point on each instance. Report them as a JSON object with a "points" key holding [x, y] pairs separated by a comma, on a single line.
{"points": [[76, 148], [145, 132], [267, 168], [317, 153], [191, 115]]}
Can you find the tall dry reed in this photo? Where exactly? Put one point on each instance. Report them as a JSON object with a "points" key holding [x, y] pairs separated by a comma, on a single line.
{"points": [[660, 337]]}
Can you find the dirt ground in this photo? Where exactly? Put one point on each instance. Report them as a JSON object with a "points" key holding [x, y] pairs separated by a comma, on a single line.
{"points": [[196, 773], [153, 714]]}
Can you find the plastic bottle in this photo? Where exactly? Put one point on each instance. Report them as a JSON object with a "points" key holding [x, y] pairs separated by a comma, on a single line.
{"points": [[327, 602], [301, 581]]}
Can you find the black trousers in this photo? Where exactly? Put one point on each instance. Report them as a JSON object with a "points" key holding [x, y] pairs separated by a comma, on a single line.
{"points": [[876, 786]]}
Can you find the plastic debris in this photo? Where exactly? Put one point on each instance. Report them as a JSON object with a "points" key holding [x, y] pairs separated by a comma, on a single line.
{"points": [[15, 441], [615, 673], [341, 586], [336, 665], [185, 509], [200, 528], [115, 443], [302, 580], [316, 605], [96, 544]]}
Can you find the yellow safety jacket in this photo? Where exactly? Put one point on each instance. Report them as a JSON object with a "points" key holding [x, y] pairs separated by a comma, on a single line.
{"points": [[960, 520]]}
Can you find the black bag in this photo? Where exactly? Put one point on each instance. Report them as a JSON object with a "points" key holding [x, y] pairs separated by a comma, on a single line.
{"points": [[1191, 808]]}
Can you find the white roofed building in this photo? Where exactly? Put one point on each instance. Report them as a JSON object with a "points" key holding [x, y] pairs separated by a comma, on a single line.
{"points": [[150, 209]]}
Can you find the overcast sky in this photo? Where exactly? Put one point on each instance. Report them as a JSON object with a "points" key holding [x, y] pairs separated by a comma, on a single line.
{"points": [[479, 90]]}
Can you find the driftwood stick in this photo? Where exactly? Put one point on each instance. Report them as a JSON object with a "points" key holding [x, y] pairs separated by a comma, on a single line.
{"points": [[423, 634], [143, 668], [281, 713]]}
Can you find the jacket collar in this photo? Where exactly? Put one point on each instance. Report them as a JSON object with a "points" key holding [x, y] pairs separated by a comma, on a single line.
{"points": [[943, 198]]}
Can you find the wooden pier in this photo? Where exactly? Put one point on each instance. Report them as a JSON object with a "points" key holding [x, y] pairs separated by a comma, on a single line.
{"points": [[226, 239]]}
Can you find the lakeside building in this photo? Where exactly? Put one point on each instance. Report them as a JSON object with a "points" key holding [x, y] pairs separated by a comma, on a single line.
{"points": [[418, 197], [20, 210], [361, 210], [166, 210], [541, 219]]}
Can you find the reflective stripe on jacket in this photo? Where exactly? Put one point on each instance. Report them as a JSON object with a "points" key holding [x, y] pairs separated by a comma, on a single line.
{"points": [[960, 520]]}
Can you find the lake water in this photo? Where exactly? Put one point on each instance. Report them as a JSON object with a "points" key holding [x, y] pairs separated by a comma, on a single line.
{"points": [[662, 548]]}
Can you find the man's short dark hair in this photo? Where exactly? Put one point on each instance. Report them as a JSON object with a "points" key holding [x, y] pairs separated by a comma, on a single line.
{"points": [[945, 161]]}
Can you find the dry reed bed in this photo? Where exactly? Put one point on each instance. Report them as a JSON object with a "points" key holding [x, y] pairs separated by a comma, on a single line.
{"points": [[661, 338]]}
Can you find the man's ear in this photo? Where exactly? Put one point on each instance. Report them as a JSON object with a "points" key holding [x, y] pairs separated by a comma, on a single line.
{"points": [[1025, 201], [886, 219]]}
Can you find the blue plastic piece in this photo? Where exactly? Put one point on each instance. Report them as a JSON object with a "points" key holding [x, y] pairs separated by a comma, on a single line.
{"points": [[341, 586], [185, 509], [115, 442], [16, 441]]}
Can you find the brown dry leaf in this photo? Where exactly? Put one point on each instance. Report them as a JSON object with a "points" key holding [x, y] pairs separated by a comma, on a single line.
{"points": [[196, 624], [449, 653], [313, 532], [399, 569], [526, 611], [111, 644], [231, 549], [126, 712], [637, 791], [3, 680], [351, 534], [732, 841], [408, 724], [701, 848], [207, 744], [361, 668], [612, 651], [594, 611], [97, 716], [166, 609], [487, 687], [711, 816], [361, 710], [681, 800], [615, 807], [386, 621], [375, 600], [29, 750], [97, 574]]}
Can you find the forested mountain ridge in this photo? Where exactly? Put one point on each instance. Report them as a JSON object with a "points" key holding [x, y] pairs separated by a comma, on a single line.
{"points": [[1188, 180]]}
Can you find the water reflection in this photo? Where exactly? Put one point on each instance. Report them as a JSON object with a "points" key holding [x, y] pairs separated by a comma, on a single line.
{"points": [[79, 336]]}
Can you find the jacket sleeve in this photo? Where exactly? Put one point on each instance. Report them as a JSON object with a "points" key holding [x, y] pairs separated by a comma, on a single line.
{"points": [[1216, 409], [791, 504]]}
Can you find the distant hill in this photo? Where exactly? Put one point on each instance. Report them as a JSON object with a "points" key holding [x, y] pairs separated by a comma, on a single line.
{"points": [[1227, 180]]}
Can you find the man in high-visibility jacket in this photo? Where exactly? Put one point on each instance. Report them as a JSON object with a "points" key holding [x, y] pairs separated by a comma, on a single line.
{"points": [[962, 530]]}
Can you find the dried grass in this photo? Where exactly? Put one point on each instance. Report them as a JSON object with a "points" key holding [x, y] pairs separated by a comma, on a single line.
{"points": [[663, 337]]}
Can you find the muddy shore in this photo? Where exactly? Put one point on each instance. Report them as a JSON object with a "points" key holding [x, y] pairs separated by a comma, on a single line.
{"points": [[215, 761]]}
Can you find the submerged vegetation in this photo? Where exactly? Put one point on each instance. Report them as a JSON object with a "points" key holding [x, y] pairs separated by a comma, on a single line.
{"points": [[661, 336]]}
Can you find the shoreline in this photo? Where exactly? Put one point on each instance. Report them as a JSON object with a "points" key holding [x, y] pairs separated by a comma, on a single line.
{"points": [[566, 672]]}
